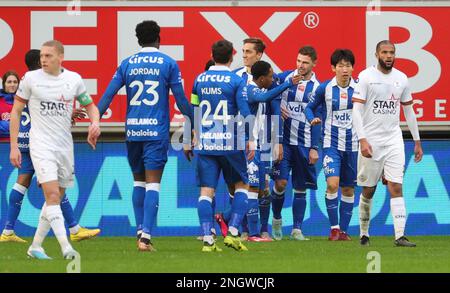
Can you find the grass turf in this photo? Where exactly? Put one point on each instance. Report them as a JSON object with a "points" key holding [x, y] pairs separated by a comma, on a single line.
{"points": [[183, 255]]}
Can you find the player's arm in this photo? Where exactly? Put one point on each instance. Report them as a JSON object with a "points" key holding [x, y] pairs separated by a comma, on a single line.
{"points": [[315, 138], [14, 123], [359, 100], [260, 96], [113, 87], [178, 91], [93, 113], [411, 120], [317, 100], [189, 131], [277, 132], [242, 104]]}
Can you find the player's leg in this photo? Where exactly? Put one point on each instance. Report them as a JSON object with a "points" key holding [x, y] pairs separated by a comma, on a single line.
{"points": [[369, 173], [251, 230], [53, 213], [136, 162], [15, 204], [155, 158], [208, 171], [303, 177], [280, 175], [223, 218], [331, 169], [347, 183], [237, 166], [393, 173]]}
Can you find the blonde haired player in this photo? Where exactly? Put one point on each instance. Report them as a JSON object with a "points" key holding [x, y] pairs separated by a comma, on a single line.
{"points": [[50, 93], [376, 118]]}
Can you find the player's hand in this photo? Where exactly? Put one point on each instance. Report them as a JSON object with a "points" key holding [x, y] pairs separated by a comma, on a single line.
{"points": [[315, 121], [250, 150], [313, 156], [15, 157], [278, 153], [366, 148], [418, 152], [188, 151], [93, 134], [78, 114], [284, 112], [296, 79]]}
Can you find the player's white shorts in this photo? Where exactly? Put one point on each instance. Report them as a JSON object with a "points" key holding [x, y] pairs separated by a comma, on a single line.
{"points": [[53, 165], [386, 160]]}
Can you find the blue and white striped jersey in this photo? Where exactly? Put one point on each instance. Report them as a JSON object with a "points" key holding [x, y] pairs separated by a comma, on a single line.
{"points": [[337, 108], [297, 130]]}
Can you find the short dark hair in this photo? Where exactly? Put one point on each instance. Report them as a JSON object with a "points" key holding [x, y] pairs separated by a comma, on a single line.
{"points": [[384, 42], [308, 51], [147, 32], [32, 59], [209, 64], [258, 43], [260, 68], [342, 55], [8, 74], [222, 51]]}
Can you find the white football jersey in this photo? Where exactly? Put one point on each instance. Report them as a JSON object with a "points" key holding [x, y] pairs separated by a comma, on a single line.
{"points": [[50, 102], [383, 94]]}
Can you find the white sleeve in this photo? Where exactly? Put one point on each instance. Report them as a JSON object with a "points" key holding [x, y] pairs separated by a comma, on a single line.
{"points": [[360, 91], [411, 120], [81, 88], [406, 95], [24, 90], [358, 125]]}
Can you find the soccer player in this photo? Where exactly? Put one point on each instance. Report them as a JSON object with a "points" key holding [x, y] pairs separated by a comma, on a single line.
{"points": [[147, 75], [300, 145], [261, 100], [50, 93], [340, 144], [218, 94], [252, 52], [26, 172], [376, 118]]}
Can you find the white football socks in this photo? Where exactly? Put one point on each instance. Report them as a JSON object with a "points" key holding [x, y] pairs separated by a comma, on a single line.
{"points": [[56, 219], [398, 212], [42, 229], [364, 215]]}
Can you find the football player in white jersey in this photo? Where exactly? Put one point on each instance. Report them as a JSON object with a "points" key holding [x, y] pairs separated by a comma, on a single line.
{"points": [[50, 93], [376, 118]]}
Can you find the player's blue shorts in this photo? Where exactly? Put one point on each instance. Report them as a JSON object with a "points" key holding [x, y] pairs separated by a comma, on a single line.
{"points": [[296, 158], [341, 164], [256, 170], [27, 165], [147, 155], [233, 167]]}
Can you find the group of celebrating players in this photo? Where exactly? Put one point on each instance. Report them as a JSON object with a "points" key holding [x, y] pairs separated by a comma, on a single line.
{"points": [[249, 124]]}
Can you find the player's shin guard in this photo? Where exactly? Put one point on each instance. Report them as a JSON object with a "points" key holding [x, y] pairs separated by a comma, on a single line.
{"points": [[252, 214], [365, 205], [238, 210], [138, 204], [151, 203], [398, 212], [264, 212], [277, 202], [332, 202], [42, 229], [298, 208], [205, 215], [15, 205], [345, 211], [55, 217], [69, 215]]}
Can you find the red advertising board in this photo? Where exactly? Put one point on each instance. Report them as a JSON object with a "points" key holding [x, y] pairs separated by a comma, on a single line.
{"points": [[97, 35]]}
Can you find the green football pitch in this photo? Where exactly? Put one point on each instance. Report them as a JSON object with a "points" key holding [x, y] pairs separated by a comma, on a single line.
{"points": [[183, 255]]}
